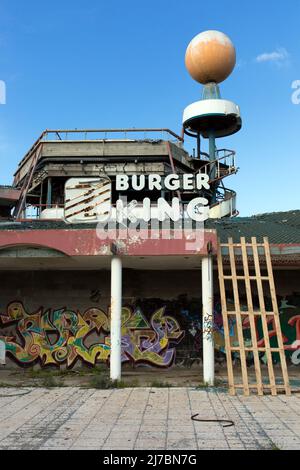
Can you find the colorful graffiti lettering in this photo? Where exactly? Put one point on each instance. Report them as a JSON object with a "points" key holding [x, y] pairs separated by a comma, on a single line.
{"points": [[149, 343], [57, 336], [290, 327]]}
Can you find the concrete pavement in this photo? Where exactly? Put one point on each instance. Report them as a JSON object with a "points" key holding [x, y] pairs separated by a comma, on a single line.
{"points": [[145, 418]]}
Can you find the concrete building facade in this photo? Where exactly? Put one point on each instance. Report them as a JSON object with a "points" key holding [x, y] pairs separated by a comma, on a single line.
{"points": [[70, 295]]}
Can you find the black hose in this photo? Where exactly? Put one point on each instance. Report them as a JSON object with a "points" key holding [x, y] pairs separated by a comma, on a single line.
{"points": [[16, 394], [228, 421]]}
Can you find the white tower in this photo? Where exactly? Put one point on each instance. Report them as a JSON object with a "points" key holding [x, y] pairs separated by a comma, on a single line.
{"points": [[210, 58]]}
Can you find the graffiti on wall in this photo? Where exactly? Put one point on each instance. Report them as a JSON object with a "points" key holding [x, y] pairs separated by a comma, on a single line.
{"points": [[188, 311], [155, 332], [57, 336], [290, 326], [289, 315]]}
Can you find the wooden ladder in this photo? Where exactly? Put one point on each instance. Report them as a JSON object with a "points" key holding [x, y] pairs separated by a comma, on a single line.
{"points": [[253, 283]]}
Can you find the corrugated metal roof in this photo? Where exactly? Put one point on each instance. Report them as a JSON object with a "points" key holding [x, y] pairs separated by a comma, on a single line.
{"points": [[279, 227]]}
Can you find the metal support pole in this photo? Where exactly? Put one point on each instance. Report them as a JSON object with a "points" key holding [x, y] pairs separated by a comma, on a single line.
{"points": [[41, 199], [49, 192], [212, 158], [115, 318], [208, 321], [198, 147]]}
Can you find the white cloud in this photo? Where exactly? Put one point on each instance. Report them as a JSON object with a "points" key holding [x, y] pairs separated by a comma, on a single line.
{"points": [[240, 63], [279, 56], [2, 92]]}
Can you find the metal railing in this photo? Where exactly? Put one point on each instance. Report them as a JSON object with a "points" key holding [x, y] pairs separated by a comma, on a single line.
{"points": [[224, 165], [106, 134], [86, 135], [226, 196], [33, 211]]}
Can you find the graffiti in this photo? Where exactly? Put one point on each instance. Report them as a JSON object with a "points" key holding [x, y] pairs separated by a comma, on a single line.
{"points": [[289, 315], [295, 357], [290, 327], [58, 336], [95, 296], [54, 337], [2, 352], [155, 332], [195, 330], [208, 327], [191, 318], [149, 343]]}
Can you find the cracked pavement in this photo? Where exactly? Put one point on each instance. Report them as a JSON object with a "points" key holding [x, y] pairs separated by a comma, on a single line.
{"points": [[145, 418]]}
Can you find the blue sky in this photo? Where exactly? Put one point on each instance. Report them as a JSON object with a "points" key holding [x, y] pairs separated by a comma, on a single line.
{"points": [[95, 64]]}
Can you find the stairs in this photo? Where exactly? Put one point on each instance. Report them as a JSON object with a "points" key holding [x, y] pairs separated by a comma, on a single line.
{"points": [[225, 205]]}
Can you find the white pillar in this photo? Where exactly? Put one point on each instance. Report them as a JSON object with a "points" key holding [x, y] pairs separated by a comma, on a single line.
{"points": [[208, 321], [115, 319]]}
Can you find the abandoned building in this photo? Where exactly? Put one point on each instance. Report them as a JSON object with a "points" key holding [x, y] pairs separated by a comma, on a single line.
{"points": [[55, 273], [121, 246]]}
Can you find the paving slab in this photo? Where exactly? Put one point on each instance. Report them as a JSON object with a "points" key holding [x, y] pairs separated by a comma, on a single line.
{"points": [[145, 418]]}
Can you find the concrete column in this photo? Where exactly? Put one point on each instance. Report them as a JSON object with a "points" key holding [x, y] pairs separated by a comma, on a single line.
{"points": [[212, 158], [115, 321], [208, 321]]}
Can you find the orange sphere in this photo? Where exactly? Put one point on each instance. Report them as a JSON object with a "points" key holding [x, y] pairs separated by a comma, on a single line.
{"points": [[210, 57]]}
